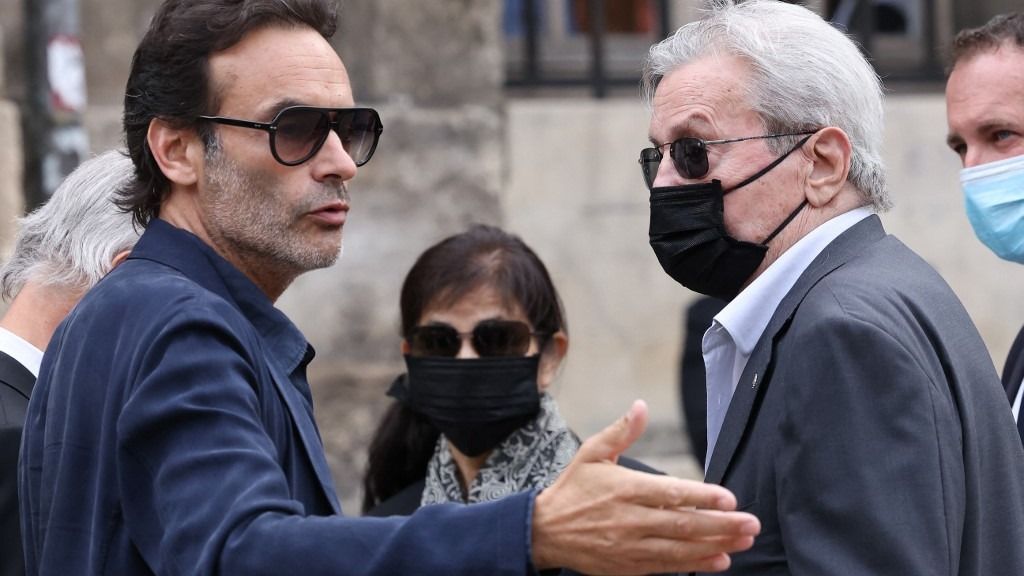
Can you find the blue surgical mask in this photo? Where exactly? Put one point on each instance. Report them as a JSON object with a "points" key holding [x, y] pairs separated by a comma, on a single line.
{"points": [[994, 195]]}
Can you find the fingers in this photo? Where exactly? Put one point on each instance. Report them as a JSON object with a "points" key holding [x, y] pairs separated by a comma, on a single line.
{"points": [[667, 492], [661, 556], [611, 442], [643, 541], [694, 525]]}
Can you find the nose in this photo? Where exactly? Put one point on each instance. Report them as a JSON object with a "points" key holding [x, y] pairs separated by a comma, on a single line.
{"points": [[333, 161], [466, 349], [667, 174], [978, 157]]}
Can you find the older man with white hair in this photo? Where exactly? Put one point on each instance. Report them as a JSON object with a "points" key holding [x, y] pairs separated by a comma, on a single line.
{"points": [[62, 249], [852, 405]]}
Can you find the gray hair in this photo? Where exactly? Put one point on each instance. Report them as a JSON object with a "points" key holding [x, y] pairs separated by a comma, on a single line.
{"points": [[805, 75], [71, 241]]}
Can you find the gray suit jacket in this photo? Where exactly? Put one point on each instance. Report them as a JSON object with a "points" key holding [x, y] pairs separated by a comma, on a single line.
{"points": [[869, 431]]}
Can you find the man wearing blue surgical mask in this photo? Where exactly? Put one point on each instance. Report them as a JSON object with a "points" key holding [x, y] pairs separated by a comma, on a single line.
{"points": [[985, 112]]}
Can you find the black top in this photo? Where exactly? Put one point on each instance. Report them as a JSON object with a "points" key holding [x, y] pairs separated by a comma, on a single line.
{"points": [[16, 383]]}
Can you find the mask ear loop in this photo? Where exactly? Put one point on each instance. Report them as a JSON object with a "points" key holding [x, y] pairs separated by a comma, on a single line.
{"points": [[769, 167], [764, 171], [785, 223]]}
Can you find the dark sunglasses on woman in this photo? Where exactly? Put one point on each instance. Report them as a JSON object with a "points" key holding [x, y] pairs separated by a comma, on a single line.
{"points": [[490, 338], [690, 155], [298, 132]]}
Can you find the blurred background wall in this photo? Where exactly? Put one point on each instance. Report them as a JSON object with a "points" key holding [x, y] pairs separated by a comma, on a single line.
{"points": [[526, 115]]}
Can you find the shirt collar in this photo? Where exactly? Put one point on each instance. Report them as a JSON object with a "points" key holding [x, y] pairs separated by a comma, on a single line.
{"points": [[746, 317], [185, 252], [21, 350]]}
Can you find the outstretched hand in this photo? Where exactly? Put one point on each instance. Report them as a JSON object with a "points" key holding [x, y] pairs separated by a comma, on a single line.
{"points": [[601, 518]]}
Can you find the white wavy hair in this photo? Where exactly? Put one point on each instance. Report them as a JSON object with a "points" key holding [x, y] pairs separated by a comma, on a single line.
{"points": [[805, 74], [70, 241]]}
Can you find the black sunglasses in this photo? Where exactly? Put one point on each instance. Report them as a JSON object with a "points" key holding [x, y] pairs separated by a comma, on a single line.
{"points": [[298, 132], [690, 155], [489, 338]]}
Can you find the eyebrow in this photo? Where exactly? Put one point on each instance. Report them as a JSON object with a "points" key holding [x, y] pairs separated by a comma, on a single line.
{"points": [[953, 138], [276, 106], [688, 127]]}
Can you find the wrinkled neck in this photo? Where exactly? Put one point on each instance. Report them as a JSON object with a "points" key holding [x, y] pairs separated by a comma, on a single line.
{"points": [[37, 310]]}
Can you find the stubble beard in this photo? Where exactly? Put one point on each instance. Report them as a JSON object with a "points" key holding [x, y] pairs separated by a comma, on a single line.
{"points": [[246, 211]]}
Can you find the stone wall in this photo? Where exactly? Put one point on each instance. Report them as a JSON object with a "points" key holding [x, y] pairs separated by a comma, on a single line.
{"points": [[435, 72], [12, 200]]}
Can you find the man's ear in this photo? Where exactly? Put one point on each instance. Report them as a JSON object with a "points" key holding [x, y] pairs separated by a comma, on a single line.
{"points": [[177, 151], [119, 257], [830, 152]]}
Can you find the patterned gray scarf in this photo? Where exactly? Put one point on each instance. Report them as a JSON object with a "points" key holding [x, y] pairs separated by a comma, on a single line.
{"points": [[531, 457]]}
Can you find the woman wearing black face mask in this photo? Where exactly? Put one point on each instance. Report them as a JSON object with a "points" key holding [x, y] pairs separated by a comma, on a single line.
{"points": [[484, 335]]}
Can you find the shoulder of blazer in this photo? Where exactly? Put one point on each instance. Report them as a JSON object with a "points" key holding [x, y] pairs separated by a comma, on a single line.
{"points": [[15, 376]]}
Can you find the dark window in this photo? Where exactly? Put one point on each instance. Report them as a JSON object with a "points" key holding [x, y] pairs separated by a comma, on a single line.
{"points": [[595, 44]]}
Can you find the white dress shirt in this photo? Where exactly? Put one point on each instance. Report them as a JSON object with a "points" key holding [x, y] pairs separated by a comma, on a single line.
{"points": [[1017, 401], [730, 340], [18, 348]]}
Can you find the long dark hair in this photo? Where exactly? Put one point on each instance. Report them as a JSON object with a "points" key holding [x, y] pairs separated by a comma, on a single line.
{"points": [[447, 272], [169, 77]]}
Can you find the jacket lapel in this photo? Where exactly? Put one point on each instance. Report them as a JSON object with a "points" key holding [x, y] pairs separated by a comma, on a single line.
{"points": [[307, 432], [757, 373], [178, 249]]}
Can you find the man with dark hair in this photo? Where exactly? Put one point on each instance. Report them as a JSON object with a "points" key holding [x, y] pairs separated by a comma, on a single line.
{"points": [[62, 249], [172, 431], [985, 113]]}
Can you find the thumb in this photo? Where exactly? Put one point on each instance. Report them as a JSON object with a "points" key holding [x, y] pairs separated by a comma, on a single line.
{"points": [[611, 442]]}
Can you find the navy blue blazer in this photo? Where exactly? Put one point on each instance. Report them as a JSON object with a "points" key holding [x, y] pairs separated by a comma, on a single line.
{"points": [[869, 432], [171, 432]]}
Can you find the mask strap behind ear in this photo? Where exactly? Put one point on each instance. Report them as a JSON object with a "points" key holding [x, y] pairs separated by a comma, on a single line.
{"points": [[785, 222], [769, 167]]}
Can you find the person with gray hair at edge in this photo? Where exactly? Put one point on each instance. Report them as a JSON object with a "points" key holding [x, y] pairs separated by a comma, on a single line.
{"points": [[62, 249], [172, 428], [852, 406]]}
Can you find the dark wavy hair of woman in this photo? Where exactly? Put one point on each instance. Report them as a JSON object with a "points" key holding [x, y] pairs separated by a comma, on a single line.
{"points": [[443, 275]]}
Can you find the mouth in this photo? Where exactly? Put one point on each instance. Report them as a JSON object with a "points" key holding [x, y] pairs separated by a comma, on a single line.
{"points": [[331, 214]]}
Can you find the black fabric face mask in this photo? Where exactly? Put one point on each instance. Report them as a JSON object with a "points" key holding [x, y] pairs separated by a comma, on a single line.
{"points": [[687, 233], [475, 402]]}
